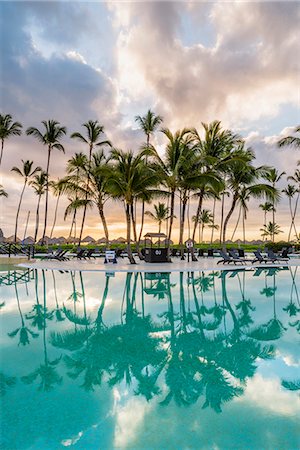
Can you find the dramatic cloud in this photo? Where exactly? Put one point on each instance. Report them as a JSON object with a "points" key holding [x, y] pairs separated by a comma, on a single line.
{"points": [[190, 62]]}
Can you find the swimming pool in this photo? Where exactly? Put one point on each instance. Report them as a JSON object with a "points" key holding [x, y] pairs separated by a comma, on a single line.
{"points": [[189, 360]]}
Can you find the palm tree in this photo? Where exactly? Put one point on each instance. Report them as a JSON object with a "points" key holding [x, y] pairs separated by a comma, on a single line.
{"points": [[215, 151], [206, 218], [243, 176], [290, 191], [169, 167], [93, 133], [266, 207], [161, 213], [26, 172], [148, 124], [273, 176], [8, 128], [130, 179], [50, 137], [244, 197], [57, 189], [39, 184], [271, 229], [293, 141], [3, 192]]}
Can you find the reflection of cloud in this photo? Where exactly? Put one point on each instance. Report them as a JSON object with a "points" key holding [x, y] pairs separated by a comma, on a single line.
{"points": [[129, 419], [269, 395], [290, 361]]}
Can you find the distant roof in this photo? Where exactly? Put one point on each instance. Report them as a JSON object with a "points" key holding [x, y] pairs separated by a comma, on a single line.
{"points": [[155, 235]]}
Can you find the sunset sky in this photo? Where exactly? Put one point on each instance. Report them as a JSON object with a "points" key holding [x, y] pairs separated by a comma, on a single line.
{"points": [[190, 62]]}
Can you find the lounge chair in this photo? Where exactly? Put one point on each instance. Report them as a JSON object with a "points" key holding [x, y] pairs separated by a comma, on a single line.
{"points": [[260, 258], [275, 258], [58, 255], [235, 255], [227, 259]]}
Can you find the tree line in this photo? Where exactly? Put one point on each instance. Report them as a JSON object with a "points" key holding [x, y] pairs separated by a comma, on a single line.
{"points": [[214, 164]]}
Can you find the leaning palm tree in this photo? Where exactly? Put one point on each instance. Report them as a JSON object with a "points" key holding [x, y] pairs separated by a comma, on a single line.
{"points": [[3, 192], [26, 172], [39, 184], [293, 141], [290, 191], [160, 215], [148, 124], [243, 176], [8, 128], [94, 132], [129, 178], [50, 137]]}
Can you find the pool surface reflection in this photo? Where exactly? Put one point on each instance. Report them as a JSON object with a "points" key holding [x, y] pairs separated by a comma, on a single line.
{"points": [[150, 360]]}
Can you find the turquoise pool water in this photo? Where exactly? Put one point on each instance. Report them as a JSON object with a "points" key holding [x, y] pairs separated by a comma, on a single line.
{"points": [[150, 361]]}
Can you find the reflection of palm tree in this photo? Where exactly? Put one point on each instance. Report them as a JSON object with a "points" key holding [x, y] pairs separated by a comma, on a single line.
{"points": [[23, 331], [39, 313], [46, 371], [273, 329], [58, 310]]}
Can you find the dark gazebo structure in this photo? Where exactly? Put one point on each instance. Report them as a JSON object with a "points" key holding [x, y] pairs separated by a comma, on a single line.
{"points": [[156, 254]]}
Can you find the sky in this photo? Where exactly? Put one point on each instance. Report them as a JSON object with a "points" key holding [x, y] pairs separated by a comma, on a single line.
{"points": [[190, 62]]}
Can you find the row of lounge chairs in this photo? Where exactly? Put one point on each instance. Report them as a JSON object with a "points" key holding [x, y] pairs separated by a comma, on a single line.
{"points": [[270, 257]]}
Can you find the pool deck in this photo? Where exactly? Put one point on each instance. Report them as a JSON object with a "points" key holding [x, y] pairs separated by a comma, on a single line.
{"points": [[123, 265]]}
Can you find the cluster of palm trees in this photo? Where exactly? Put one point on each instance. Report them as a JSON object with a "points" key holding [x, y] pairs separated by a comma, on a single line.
{"points": [[215, 166]]}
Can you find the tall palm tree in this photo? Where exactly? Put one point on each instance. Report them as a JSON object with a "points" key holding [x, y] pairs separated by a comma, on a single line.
{"points": [[215, 151], [27, 171], [274, 176], [290, 191], [39, 184], [243, 176], [129, 179], [94, 132], [50, 136], [148, 124], [57, 189], [161, 214], [3, 192], [293, 141], [170, 166], [76, 170], [8, 128]]}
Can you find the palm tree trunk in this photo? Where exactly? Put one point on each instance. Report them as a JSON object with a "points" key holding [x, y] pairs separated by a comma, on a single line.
{"points": [[2, 146], [37, 219], [244, 229], [72, 223], [199, 209], [128, 223], [237, 223], [171, 221], [47, 194], [234, 201], [104, 224], [86, 193], [213, 227], [143, 206], [222, 216], [182, 220], [137, 243], [55, 215], [18, 210]]}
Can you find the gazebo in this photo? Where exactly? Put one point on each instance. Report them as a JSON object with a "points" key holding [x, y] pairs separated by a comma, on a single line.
{"points": [[155, 254]]}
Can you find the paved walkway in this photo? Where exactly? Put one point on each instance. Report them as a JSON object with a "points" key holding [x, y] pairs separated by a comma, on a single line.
{"points": [[123, 265]]}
